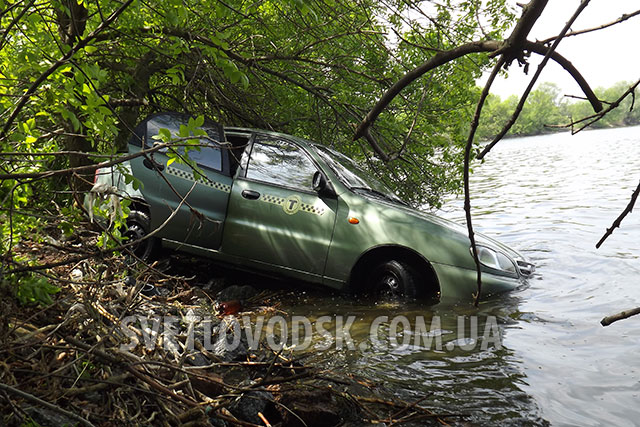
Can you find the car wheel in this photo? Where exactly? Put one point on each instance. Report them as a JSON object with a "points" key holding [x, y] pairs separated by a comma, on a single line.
{"points": [[394, 279], [138, 224]]}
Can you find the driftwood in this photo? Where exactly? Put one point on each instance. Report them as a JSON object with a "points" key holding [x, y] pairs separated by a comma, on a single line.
{"points": [[620, 316]]}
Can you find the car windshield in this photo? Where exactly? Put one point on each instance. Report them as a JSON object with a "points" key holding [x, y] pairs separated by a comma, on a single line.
{"points": [[354, 177]]}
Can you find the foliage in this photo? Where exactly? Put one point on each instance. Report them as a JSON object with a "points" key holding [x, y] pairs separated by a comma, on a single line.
{"points": [[546, 110], [32, 289], [307, 68], [76, 77]]}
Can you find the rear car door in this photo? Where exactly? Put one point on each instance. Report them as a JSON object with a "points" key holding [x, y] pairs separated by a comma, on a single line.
{"points": [[275, 217], [198, 220]]}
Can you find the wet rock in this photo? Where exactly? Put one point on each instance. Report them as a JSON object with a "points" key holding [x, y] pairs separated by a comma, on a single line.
{"points": [[236, 292], [247, 406], [230, 342], [311, 408]]}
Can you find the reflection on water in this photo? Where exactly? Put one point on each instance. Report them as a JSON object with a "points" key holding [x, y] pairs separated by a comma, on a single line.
{"points": [[550, 197]]}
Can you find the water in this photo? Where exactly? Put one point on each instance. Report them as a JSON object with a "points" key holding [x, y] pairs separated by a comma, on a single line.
{"points": [[551, 198]]}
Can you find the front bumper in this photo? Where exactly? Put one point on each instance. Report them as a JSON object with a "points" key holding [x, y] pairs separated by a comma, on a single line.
{"points": [[461, 283]]}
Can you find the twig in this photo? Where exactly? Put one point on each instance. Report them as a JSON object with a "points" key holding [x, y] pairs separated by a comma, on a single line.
{"points": [[618, 220], [623, 18], [41, 402], [533, 81], [612, 105]]}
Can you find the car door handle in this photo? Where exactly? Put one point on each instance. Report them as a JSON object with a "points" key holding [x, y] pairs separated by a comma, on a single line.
{"points": [[250, 194]]}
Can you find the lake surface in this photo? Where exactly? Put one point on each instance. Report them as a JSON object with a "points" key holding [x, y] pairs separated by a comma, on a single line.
{"points": [[551, 198]]}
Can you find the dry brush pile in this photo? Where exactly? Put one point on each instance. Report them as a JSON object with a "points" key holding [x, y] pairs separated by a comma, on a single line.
{"points": [[99, 355]]}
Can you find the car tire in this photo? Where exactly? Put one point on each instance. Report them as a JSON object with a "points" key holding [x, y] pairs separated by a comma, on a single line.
{"points": [[394, 279], [138, 225]]}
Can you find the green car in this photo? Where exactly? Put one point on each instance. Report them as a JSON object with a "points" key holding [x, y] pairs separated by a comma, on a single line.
{"points": [[285, 206]]}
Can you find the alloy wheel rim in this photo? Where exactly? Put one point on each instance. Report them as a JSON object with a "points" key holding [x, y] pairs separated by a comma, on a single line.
{"points": [[135, 232], [389, 284]]}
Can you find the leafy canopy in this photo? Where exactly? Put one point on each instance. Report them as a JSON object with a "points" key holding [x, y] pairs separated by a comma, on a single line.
{"points": [[311, 68]]}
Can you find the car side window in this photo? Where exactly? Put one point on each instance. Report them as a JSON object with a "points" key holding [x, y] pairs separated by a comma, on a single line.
{"points": [[208, 155], [281, 163]]}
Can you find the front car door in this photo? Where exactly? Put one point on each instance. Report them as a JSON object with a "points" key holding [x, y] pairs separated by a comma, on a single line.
{"points": [[275, 217], [198, 220]]}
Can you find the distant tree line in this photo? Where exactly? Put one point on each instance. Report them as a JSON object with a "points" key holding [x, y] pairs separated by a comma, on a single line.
{"points": [[548, 110]]}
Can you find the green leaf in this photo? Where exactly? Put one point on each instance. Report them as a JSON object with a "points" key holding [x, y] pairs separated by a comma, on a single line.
{"points": [[164, 134]]}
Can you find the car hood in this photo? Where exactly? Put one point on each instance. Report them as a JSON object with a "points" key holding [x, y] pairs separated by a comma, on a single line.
{"points": [[455, 227]]}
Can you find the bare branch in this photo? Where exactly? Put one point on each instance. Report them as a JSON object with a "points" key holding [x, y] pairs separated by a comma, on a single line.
{"points": [[435, 61], [69, 171], [595, 117], [541, 49], [618, 220], [46, 404], [533, 81], [623, 18], [467, 160]]}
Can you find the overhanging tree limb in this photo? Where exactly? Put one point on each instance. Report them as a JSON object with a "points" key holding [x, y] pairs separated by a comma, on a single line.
{"points": [[533, 81], [43, 77], [506, 49], [435, 61], [467, 159]]}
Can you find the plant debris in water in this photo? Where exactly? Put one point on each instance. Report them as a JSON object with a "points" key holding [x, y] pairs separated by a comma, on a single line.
{"points": [[67, 360]]}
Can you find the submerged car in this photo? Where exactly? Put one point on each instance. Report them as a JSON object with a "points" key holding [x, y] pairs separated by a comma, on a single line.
{"points": [[285, 206]]}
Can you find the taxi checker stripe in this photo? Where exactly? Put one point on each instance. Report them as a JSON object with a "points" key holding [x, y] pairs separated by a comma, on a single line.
{"points": [[305, 207], [204, 181], [272, 199]]}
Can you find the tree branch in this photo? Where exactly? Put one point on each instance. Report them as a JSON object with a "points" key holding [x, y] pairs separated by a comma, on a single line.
{"points": [[618, 220], [467, 160], [41, 402], [43, 77], [435, 61], [623, 18], [613, 105], [512, 47], [541, 49], [533, 81]]}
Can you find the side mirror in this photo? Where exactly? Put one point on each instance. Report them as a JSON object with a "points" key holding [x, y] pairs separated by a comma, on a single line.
{"points": [[319, 181], [150, 163], [322, 186]]}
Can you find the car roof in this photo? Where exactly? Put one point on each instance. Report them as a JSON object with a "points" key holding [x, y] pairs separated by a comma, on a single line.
{"points": [[297, 139]]}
